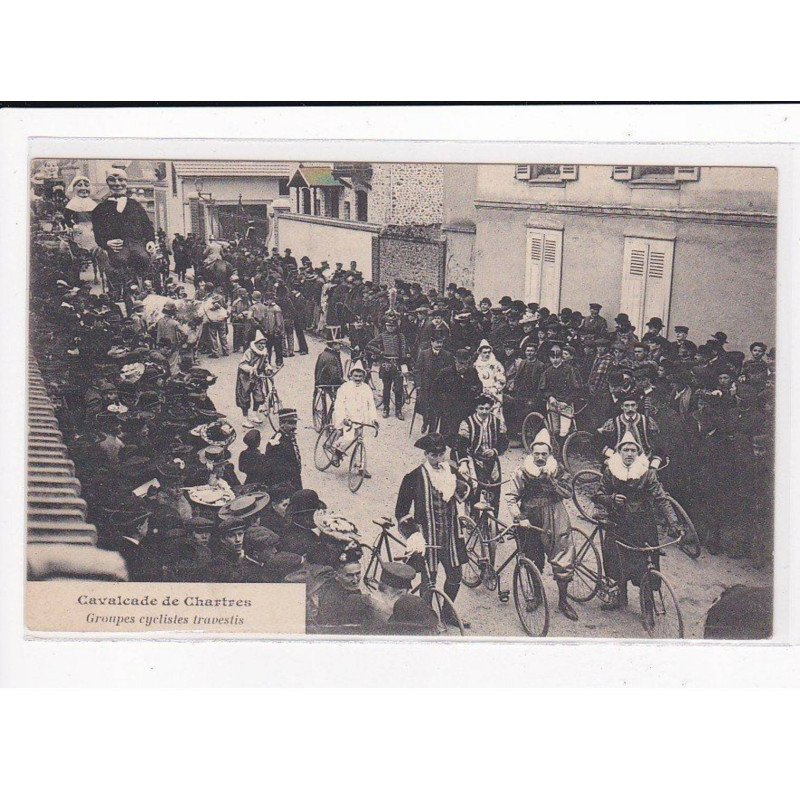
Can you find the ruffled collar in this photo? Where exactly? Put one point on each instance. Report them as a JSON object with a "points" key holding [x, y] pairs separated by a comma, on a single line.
{"points": [[443, 480], [550, 467], [81, 204], [636, 470]]}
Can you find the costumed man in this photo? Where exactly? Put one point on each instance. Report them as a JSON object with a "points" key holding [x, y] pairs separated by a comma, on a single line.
{"points": [[560, 385], [391, 349], [254, 371], [354, 403], [282, 462], [536, 495], [492, 375], [628, 491], [429, 497], [640, 427], [123, 229], [482, 440]]}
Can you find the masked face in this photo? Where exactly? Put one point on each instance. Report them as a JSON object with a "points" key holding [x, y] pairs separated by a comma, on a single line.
{"points": [[118, 184], [82, 188]]}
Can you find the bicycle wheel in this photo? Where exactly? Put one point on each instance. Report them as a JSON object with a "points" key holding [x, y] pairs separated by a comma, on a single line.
{"points": [[323, 457], [273, 408], [588, 573], [532, 424], [585, 484], [318, 411], [358, 465], [444, 608], [690, 544], [530, 598], [472, 571], [581, 452], [661, 612]]}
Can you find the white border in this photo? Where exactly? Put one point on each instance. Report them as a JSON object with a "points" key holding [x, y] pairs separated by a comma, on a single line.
{"points": [[558, 662]]}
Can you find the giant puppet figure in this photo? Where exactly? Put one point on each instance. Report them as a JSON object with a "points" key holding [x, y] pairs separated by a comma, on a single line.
{"points": [[123, 229]]}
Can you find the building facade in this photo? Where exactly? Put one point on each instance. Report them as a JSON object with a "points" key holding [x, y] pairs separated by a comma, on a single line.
{"points": [[692, 245], [385, 217], [218, 199]]}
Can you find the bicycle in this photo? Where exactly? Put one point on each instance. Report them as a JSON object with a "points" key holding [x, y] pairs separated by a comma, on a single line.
{"points": [[324, 454], [530, 597], [322, 405], [381, 552], [272, 403], [535, 421], [586, 482], [591, 580]]}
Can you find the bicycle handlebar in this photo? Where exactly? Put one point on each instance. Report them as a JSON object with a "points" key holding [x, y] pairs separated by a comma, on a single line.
{"points": [[649, 548]]}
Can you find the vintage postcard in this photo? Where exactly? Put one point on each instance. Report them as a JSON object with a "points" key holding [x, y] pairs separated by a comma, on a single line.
{"points": [[414, 398]]}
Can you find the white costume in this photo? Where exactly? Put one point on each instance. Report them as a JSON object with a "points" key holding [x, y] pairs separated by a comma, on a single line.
{"points": [[356, 403]]}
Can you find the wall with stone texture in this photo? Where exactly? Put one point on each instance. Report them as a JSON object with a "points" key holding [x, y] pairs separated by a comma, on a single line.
{"points": [[412, 260], [417, 194]]}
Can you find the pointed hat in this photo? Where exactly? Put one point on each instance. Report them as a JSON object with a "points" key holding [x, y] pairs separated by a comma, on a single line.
{"points": [[543, 437], [628, 438]]}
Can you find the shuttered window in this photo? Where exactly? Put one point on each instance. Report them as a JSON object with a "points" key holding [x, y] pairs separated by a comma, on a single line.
{"points": [[543, 267], [646, 280]]}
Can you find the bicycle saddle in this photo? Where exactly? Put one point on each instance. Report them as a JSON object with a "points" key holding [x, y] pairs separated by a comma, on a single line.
{"points": [[482, 507], [384, 522]]}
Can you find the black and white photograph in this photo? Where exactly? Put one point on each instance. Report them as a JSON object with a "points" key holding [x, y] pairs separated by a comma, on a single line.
{"points": [[419, 399]]}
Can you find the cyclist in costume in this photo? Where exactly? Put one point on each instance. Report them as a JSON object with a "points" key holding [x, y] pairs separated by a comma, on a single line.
{"points": [[537, 492], [354, 403]]}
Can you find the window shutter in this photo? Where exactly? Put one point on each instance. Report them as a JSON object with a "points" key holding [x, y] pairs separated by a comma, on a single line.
{"points": [[633, 280], [533, 265], [523, 172], [196, 217], [659, 281], [550, 293], [687, 173], [569, 172], [622, 173]]}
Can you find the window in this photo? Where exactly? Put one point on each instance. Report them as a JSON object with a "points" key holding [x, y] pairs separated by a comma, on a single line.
{"points": [[306, 201], [174, 176], [332, 203], [361, 205], [543, 267], [346, 209], [646, 280], [655, 175], [546, 173], [317, 210], [283, 187]]}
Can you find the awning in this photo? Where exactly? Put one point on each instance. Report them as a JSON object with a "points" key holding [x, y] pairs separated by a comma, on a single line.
{"points": [[313, 177]]}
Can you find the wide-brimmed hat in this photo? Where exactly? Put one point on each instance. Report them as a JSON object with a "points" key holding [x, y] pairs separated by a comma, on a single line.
{"points": [[217, 433], [244, 506], [213, 455]]}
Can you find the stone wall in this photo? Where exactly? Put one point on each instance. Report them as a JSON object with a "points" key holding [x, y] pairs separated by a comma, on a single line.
{"points": [[412, 259], [417, 194]]}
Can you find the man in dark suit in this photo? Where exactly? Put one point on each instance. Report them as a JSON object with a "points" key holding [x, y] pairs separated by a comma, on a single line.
{"points": [[455, 390], [430, 363], [282, 463], [123, 229]]}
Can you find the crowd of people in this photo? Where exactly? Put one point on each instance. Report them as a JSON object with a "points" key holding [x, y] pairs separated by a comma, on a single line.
{"points": [[123, 368]]}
